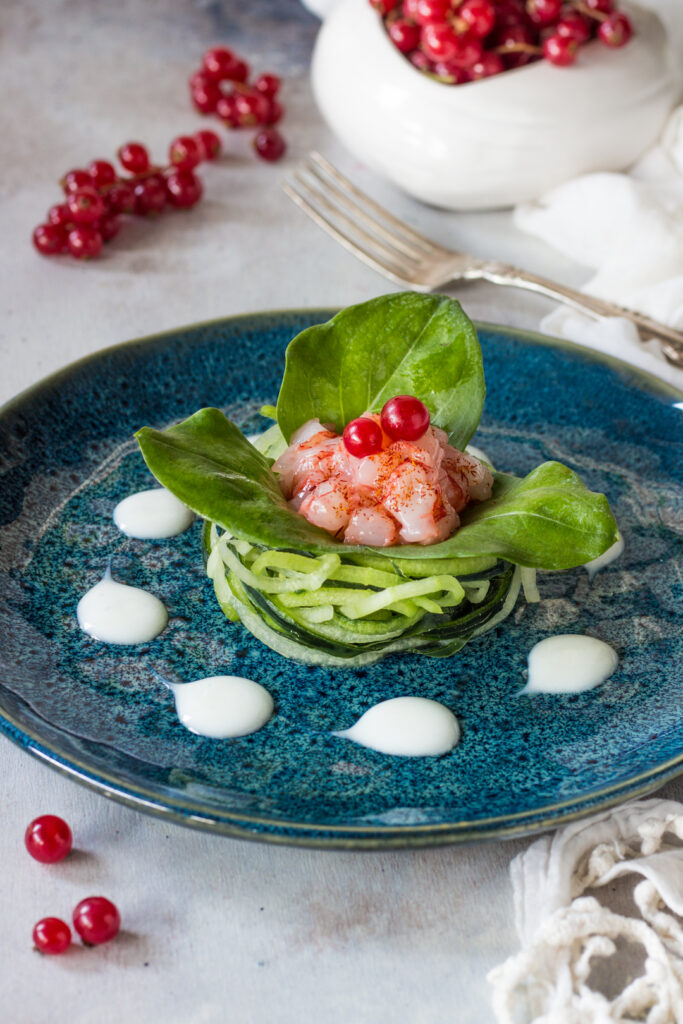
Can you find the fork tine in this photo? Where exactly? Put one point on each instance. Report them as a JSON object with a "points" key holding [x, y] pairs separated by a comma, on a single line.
{"points": [[393, 273], [372, 245], [343, 200], [428, 247]]}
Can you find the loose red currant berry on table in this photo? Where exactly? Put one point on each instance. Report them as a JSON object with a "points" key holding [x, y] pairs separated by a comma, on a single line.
{"points": [[405, 35], [48, 839], [121, 197], [85, 205], [362, 437], [222, 65], [49, 239], [60, 215], [102, 173], [615, 30], [268, 84], [275, 112], [269, 144], [97, 920], [84, 242], [52, 935], [206, 97], [404, 418], [184, 189], [209, 143], [75, 179], [479, 16], [185, 152], [560, 50], [251, 108], [134, 157], [150, 195]]}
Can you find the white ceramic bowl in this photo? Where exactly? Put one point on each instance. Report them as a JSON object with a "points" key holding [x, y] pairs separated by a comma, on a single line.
{"points": [[498, 141]]}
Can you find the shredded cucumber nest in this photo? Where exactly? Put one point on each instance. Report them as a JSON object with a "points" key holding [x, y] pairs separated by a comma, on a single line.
{"points": [[354, 609]]}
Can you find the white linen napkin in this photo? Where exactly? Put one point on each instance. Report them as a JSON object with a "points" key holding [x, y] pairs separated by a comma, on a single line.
{"points": [[562, 931], [629, 229]]}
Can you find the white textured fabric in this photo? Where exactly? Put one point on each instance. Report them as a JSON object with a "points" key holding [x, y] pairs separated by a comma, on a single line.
{"points": [[629, 229], [562, 931]]}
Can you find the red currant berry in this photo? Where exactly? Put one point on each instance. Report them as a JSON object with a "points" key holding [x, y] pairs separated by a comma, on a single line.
{"points": [[52, 935], [134, 157], [121, 197], [199, 78], [599, 6], [108, 226], [362, 437], [251, 108], [421, 61], [439, 41], [48, 838], [383, 7], [185, 152], [221, 65], [84, 242], [451, 73], [96, 920], [490, 64], [479, 16], [102, 173], [85, 205], [209, 143], [184, 189], [429, 12], [275, 112], [468, 51], [150, 195], [206, 97], [574, 25], [269, 144], [49, 240], [543, 12], [60, 215], [269, 84], [560, 50], [512, 35], [405, 418], [615, 30], [405, 35], [227, 110], [75, 179]]}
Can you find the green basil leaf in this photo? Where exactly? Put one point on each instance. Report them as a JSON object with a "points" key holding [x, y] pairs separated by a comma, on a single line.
{"points": [[549, 520], [401, 344]]}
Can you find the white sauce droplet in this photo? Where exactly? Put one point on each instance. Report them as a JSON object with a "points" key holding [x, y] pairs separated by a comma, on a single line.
{"points": [[605, 558], [222, 707], [406, 727], [118, 614], [152, 515], [569, 663]]}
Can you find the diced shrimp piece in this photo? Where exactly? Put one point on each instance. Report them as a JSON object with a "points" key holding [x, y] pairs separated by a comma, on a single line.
{"points": [[412, 500], [429, 443], [469, 473], [373, 526], [306, 431], [327, 506]]}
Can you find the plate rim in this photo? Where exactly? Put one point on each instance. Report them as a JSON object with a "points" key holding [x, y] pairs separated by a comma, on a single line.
{"points": [[322, 835]]}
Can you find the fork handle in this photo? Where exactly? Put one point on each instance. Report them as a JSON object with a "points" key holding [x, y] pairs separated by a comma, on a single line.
{"points": [[502, 273]]}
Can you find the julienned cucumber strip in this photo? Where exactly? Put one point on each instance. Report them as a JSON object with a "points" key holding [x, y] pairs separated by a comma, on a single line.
{"points": [[314, 625]]}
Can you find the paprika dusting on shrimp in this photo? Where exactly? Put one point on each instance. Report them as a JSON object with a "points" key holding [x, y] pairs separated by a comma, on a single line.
{"points": [[389, 479]]}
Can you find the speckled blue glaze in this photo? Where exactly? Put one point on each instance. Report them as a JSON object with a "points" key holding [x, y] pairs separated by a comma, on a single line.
{"points": [[523, 764]]}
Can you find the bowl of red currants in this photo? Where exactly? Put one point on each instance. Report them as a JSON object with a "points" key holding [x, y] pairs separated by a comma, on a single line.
{"points": [[479, 104]]}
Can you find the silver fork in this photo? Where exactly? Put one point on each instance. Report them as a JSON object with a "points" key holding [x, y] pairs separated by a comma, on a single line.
{"points": [[403, 255]]}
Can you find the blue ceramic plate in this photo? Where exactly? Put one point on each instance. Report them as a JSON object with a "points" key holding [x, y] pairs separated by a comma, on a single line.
{"points": [[524, 763]]}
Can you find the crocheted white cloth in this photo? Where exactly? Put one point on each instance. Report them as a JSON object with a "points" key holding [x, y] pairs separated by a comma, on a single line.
{"points": [[562, 931]]}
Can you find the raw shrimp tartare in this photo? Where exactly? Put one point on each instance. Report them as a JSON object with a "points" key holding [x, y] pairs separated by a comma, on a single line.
{"points": [[358, 525]]}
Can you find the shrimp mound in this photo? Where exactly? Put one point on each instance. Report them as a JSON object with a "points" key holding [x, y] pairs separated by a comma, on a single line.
{"points": [[411, 492]]}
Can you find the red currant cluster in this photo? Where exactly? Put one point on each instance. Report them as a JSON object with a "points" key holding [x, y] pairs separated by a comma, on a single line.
{"points": [[221, 87], [461, 41], [96, 919], [96, 197]]}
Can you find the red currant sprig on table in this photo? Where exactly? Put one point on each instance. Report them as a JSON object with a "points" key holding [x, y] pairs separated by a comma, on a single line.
{"points": [[221, 86], [460, 41], [96, 198]]}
